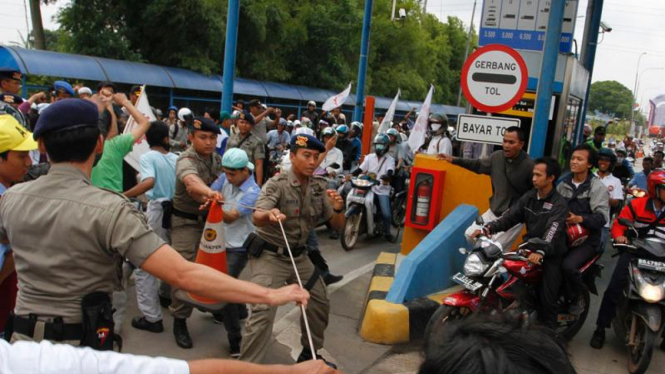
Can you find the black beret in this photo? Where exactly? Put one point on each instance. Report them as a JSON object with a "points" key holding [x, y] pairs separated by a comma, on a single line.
{"points": [[247, 116], [10, 73], [205, 124], [65, 115], [307, 142], [11, 98]]}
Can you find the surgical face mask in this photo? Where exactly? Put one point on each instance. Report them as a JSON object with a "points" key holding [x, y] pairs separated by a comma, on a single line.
{"points": [[435, 127]]}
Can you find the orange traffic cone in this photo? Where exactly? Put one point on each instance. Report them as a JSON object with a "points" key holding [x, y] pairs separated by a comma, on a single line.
{"points": [[212, 250]]}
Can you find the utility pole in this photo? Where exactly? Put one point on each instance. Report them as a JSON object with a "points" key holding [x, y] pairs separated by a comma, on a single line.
{"points": [[466, 52], [362, 64], [230, 54]]}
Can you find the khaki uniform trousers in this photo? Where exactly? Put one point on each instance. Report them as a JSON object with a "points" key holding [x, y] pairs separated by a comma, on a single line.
{"points": [[39, 336], [185, 238], [273, 270]]}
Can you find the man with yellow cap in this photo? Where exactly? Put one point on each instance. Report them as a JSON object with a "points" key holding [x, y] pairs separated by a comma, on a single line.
{"points": [[15, 146]]}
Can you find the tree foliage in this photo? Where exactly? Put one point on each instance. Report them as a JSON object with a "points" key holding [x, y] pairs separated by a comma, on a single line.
{"points": [[611, 97], [303, 42]]}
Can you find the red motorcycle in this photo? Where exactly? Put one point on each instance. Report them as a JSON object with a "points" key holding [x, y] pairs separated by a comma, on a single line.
{"points": [[495, 281]]}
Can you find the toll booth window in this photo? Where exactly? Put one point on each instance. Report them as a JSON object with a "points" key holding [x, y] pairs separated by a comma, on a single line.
{"points": [[570, 120]]}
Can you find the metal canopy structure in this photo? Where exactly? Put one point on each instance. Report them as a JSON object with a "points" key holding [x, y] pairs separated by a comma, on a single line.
{"points": [[72, 66]]}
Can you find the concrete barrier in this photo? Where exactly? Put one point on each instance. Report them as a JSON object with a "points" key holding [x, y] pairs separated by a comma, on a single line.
{"points": [[430, 266]]}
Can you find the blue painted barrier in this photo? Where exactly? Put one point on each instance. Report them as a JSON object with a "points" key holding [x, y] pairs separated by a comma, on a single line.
{"points": [[429, 267]]}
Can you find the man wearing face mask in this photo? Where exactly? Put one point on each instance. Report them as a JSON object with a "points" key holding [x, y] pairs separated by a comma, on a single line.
{"points": [[623, 169], [158, 183], [440, 143]]}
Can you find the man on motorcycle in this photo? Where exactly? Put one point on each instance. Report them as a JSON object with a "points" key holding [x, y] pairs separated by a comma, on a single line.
{"points": [[640, 179], [347, 146], [658, 159], [648, 214], [332, 163], [380, 166], [510, 170], [589, 207], [544, 212], [623, 169], [439, 143], [606, 163]]}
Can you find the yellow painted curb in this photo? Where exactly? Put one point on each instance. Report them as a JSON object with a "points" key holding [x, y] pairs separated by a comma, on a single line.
{"points": [[385, 323]]}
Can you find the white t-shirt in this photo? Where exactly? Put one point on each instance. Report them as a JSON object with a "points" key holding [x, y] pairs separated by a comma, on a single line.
{"points": [[46, 358], [614, 188], [334, 156], [380, 167], [440, 144]]}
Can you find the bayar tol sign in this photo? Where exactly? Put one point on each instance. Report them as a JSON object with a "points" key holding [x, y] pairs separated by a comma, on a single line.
{"points": [[482, 129]]}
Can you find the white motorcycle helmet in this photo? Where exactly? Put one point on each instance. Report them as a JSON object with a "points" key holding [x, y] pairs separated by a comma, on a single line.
{"points": [[184, 112]]}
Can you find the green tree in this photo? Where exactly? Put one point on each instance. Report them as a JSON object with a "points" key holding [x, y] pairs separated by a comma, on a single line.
{"points": [[611, 97]]}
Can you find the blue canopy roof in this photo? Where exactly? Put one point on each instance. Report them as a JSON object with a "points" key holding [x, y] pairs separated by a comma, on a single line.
{"points": [[65, 65]]}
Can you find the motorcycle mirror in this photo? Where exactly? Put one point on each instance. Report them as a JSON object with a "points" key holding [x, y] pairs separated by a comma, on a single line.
{"points": [[480, 221], [463, 251]]}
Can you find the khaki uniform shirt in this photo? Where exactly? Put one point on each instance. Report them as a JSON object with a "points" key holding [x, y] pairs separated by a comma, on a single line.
{"points": [[303, 209], [66, 234], [253, 146], [190, 162]]}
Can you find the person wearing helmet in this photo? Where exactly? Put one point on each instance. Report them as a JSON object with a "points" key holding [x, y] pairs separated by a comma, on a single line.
{"points": [[333, 156], [646, 212], [589, 207], [278, 139], [352, 157], [289, 128], [510, 170], [397, 152], [323, 123], [606, 163], [440, 143], [171, 116], [543, 210], [178, 132], [623, 169], [380, 166], [311, 113]]}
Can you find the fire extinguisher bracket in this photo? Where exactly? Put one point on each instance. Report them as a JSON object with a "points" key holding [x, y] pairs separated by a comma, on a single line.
{"points": [[425, 197]]}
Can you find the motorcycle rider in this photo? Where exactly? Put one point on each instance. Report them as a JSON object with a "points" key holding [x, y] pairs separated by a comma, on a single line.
{"points": [[333, 156], [648, 214], [589, 206], [640, 179], [596, 142], [658, 159], [606, 162], [510, 170], [381, 167], [278, 139], [439, 143], [544, 212], [397, 152], [355, 137], [347, 146], [623, 169]]}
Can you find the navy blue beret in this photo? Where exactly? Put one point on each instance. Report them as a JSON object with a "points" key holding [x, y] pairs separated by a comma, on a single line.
{"points": [[66, 114], [205, 124], [308, 142], [247, 116]]}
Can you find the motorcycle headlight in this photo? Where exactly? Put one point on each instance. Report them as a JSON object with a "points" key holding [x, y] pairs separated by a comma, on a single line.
{"points": [[651, 293], [474, 266]]}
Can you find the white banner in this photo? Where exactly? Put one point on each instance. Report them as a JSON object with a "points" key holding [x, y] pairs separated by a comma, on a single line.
{"points": [[385, 125], [419, 131], [337, 100], [141, 146]]}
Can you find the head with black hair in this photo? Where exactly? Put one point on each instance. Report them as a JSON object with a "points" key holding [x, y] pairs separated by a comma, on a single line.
{"points": [[212, 113], [658, 159], [546, 171], [496, 346], [647, 165], [109, 85], [158, 135], [583, 159], [513, 142]]}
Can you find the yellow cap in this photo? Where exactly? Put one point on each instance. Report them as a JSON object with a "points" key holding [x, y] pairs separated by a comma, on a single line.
{"points": [[13, 136]]}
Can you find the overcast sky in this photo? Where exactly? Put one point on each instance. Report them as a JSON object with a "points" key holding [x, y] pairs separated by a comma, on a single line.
{"points": [[635, 29]]}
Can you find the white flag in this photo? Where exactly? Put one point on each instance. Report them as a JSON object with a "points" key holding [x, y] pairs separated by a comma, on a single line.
{"points": [[385, 125], [337, 100], [417, 137], [141, 146]]}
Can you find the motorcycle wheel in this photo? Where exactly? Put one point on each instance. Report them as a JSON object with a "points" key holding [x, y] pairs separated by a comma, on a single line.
{"points": [[399, 212], [351, 231], [639, 356], [572, 328], [439, 321]]}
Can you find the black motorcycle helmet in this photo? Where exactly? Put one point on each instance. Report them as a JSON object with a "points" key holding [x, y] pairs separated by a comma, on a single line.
{"points": [[438, 118], [608, 154], [381, 144]]}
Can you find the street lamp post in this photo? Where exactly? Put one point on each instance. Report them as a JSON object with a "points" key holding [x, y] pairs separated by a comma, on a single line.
{"points": [[634, 96]]}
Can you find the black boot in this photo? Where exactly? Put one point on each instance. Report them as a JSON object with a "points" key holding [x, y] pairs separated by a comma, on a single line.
{"points": [[306, 355], [164, 301], [143, 324], [329, 279], [182, 338], [598, 338], [234, 346]]}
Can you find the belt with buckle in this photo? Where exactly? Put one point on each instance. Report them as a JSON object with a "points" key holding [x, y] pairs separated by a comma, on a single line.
{"points": [[56, 330], [283, 250]]}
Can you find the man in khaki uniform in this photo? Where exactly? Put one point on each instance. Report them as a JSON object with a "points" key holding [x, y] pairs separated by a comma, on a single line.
{"points": [[300, 201], [81, 229], [196, 169], [250, 143]]}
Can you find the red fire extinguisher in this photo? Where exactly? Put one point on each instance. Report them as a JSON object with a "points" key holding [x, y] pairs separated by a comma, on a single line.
{"points": [[423, 199]]}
